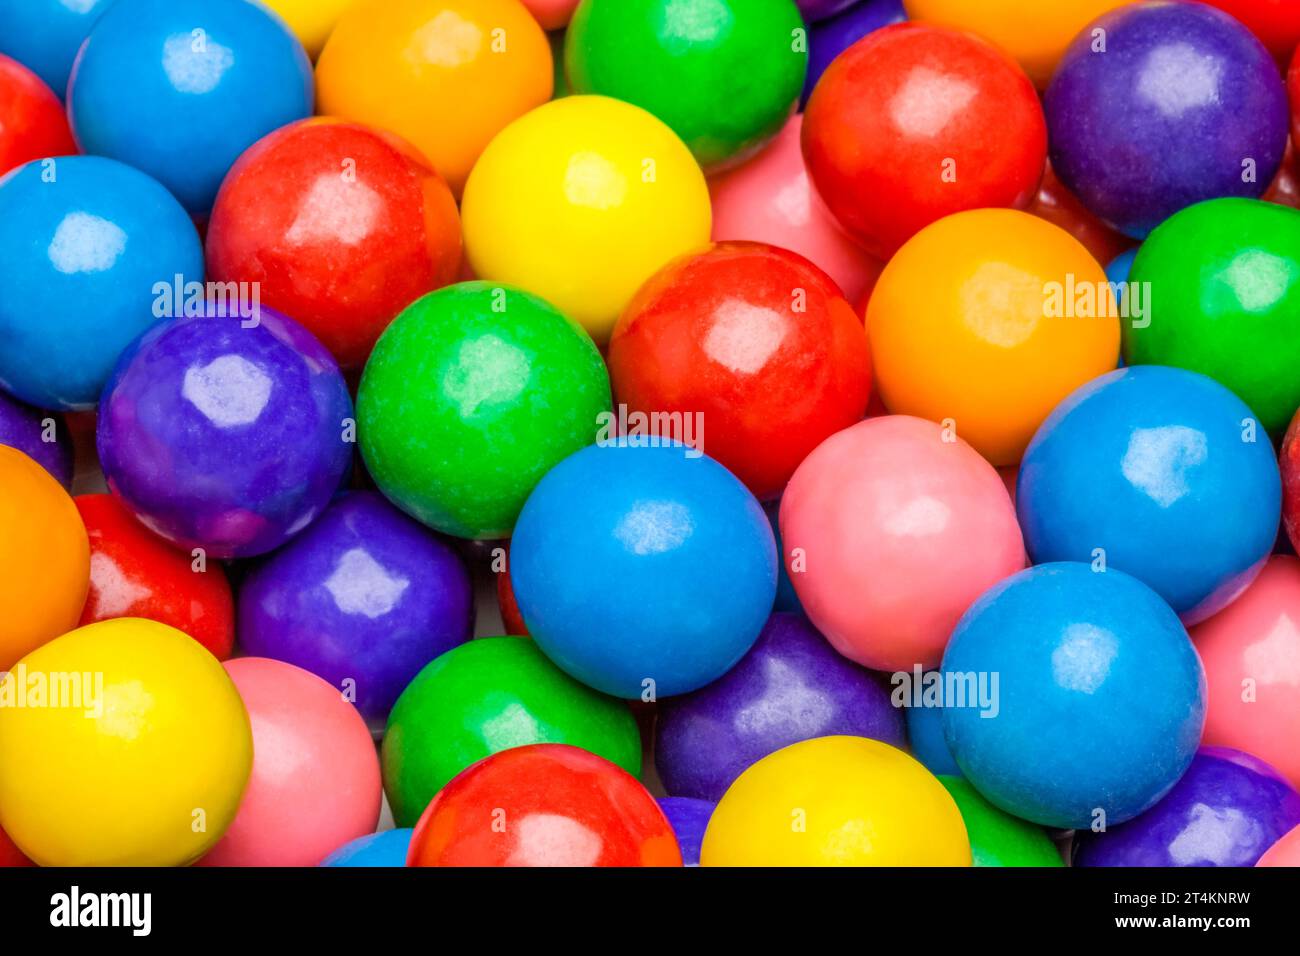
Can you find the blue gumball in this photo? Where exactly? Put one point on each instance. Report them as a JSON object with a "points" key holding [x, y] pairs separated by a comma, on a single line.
{"points": [[689, 818], [179, 88], [643, 570], [786, 598], [1121, 266], [1161, 473], [84, 241], [1098, 697], [925, 736], [387, 848], [44, 35]]}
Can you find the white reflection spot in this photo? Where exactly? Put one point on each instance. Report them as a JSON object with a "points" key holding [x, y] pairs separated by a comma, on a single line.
{"points": [[335, 211], [229, 390], [928, 101], [653, 527], [1158, 459], [85, 243], [194, 72], [743, 337], [1082, 660], [361, 585]]}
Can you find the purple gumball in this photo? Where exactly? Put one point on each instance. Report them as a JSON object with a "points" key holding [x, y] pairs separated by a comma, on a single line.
{"points": [[1157, 106], [364, 598], [790, 687], [226, 434], [1226, 810], [828, 38], [814, 10], [689, 819], [41, 436]]}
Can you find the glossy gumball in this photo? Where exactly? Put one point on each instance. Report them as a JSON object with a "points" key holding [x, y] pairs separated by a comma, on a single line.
{"points": [[916, 122], [1160, 450], [566, 807], [11, 856], [987, 320], [1224, 281], [1182, 106], [1062, 208], [491, 694], [134, 573], [45, 35], [890, 530], [340, 225], [312, 21], [194, 103], [1253, 644], [315, 780], [1275, 22], [1293, 91], [508, 606], [387, 848], [1226, 810], [704, 740], [1285, 188], [862, 802], [689, 819], [615, 562], [363, 599], [32, 122], [726, 84], [1121, 267], [446, 75], [41, 436], [84, 245], [44, 557], [551, 14], [998, 838], [1285, 852], [754, 343], [1289, 461], [830, 37], [470, 397], [118, 781], [1080, 656], [253, 417], [926, 741]]}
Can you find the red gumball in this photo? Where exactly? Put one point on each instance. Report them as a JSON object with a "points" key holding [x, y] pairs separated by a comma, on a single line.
{"points": [[1275, 22], [134, 573], [755, 347], [342, 226], [1062, 208], [510, 616], [1293, 91], [543, 805], [916, 122], [1289, 460], [1285, 188], [33, 124], [10, 855]]}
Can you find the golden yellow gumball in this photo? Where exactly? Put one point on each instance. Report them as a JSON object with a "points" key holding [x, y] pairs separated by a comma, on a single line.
{"points": [[311, 20]]}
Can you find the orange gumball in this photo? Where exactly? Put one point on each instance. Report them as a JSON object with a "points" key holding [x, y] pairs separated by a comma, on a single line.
{"points": [[447, 75], [44, 558], [985, 321]]}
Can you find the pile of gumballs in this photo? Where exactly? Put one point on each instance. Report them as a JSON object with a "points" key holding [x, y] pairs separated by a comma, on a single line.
{"points": [[649, 432]]}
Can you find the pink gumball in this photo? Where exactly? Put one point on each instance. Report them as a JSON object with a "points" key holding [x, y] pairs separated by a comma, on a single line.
{"points": [[315, 783], [551, 14], [891, 529], [771, 199], [1251, 652], [1285, 852]]}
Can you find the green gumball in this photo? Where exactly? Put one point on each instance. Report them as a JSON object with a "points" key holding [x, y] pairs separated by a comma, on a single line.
{"points": [[470, 396], [996, 837]]}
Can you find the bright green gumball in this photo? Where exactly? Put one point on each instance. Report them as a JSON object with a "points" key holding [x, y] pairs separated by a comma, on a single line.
{"points": [[1224, 298], [996, 837], [724, 74], [486, 696], [469, 398]]}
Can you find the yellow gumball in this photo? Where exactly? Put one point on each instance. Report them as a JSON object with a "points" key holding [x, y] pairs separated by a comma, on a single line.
{"points": [[311, 20], [580, 201], [122, 743], [836, 801]]}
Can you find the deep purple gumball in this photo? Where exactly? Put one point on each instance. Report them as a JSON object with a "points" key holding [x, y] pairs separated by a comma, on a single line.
{"points": [[25, 428], [226, 435], [814, 10], [689, 818], [791, 686], [365, 595], [1184, 104], [828, 38], [1227, 809]]}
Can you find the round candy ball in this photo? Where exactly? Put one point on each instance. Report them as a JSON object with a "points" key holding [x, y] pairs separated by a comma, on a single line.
{"points": [[755, 346], [916, 122], [544, 805], [1078, 656], [926, 740], [485, 696], [1289, 461], [890, 529], [987, 320], [1249, 650], [791, 686], [226, 435], [446, 75], [725, 84], [1285, 852], [831, 36], [1166, 451], [644, 570], [471, 395], [312, 21], [41, 436], [86, 246], [341, 226], [385, 849], [44, 557], [363, 598], [1061, 207], [1223, 281], [32, 121], [315, 781], [143, 765], [179, 88], [134, 573], [998, 838], [551, 14], [689, 818], [1225, 811], [1180, 104], [580, 202], [11, 856], [836, 801], [46, 34]]}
